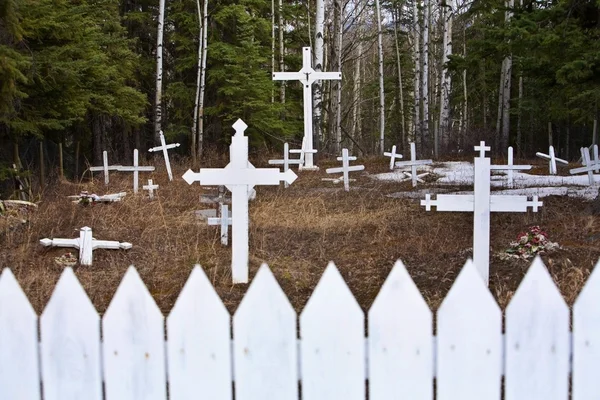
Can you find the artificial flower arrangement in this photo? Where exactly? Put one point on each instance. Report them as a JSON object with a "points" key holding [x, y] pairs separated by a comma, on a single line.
{"points": [[531, 243]]}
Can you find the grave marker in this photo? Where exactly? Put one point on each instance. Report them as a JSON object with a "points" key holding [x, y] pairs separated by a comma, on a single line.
{"points": [[94, 198], [164, 147], [344, 169], [393, 155], [150, 188], [481, 203], [413, 163], [224, 220], [307, 75], [239, 176], [551, 157], [105, 167], [302, 151], [589, 166], [86, 244], [510, 167], [286, 161], [136, 169]]}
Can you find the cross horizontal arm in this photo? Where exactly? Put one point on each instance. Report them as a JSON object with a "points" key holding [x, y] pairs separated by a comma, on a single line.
{"points": [[281, 162], [350, 158], [217, 221], [133, 169], [289, 76], [60, 242], [233, 176], [110, 168], [341, 169], [159, 148], [326, 76], [416, 162], [587, 168], [110, 244], [509, 167]]}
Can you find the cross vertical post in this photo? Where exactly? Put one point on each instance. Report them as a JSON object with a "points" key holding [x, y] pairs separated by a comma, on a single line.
{"points": [[481, 217], [136, 169], [105, 167], [393, 155]]}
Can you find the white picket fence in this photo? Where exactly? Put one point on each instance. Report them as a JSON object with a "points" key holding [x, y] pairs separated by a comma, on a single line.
{"points": [[537, 355]]}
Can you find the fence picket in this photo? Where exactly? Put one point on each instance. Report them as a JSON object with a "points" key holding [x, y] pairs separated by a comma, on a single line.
{"points": [[400, 341], [332, 329], [469, 337], [265, 344], [70, 337], [537, 339], [199, 343], [586, 340], [134, 350], [19, 365]]}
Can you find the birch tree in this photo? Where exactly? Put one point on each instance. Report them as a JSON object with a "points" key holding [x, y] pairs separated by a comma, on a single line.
{"points": [[281, 52], [417, 79], [202, 81], [381, 82], [159, 72], [318, 66], [446, 13], [400, 88], [195, 127], [272, 45], [504, 91], [425, 78]]}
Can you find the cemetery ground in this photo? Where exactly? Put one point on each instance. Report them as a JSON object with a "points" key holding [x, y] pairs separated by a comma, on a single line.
{"points": [[296, 231]]}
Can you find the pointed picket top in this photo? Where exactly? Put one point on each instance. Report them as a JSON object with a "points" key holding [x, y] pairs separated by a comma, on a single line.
{"points": [[537, 339], [199, 351], [586, 345], [239, 126], [134, 350], [400, 341], [332, 330], [19, 365], [265, 343], [469, 340], [70, 338]]}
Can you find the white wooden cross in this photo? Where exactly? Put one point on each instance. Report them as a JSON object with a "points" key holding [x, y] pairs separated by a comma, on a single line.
{"points": [[286, 160], [105, 167], [589, 165], [86, 244], [393, 155], [553, 159], [510, 167], [344, 169], [302, 151], [481, 203], [239, 176], [413, 163], [150, 188], [307, 75], [224, 220], [136, 169], [164, 147]]}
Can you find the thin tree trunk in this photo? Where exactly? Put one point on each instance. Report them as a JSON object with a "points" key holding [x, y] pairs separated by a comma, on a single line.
{"points": [[506, 86], [159, 72], [417, 58], [500, 104], [520, 115], [425, 78], [400, 89], [381, 81], [272, 46], [281, 52], [340, 47], [318, 66], [550, 140], [595, 128], [568, 141], [42, 167], [465, 92], [202, 81], [445, 78], [61, 171], [199, 73]]}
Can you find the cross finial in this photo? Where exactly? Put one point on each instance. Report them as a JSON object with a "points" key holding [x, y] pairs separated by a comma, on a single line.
{"points": [[482, 149], [239, 126]]}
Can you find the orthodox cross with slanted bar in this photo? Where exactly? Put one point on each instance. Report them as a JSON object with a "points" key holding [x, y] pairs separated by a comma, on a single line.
{"points": [[164, 147]]}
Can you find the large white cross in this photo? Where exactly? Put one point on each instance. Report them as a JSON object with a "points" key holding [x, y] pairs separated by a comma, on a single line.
{"points": [[413, 163], [164, 147], [136, 169], [392, 155], [105, 167], [307, 75], [286, 160], [481, 203], [224, 221], [510, 167], [239, 176], [552, 160], [86, 244], [150, 187], [589, 165], [344, 169]]}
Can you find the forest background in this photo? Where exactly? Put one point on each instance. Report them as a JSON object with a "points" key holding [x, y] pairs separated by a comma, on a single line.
{"points": [[83, 76]]}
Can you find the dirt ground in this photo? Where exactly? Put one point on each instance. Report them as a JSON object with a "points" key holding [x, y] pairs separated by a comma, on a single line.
{"points": [[297, 231]]}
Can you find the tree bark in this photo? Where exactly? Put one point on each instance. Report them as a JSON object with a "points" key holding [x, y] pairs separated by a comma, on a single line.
{"points": [[202, 81], [159, 72], [272, 46], [400, 88], [195, 127], [417, 58], [381, 81], [425, 78], [445, 78], [318, 66], [281, 52]]}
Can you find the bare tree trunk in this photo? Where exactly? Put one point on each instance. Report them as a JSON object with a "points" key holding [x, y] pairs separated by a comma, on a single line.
{"points": [[425, 78], [465, 116], [202, 81], [159, 72], [381, 82], [400, 89], [195, 123], [272, 46], [281, 52], [417, 58], [550, 140], [340, 45], [500, 104], [568, 141], [318, 66], [595, 127], [445, 78], [519, 115], [505, 86]]}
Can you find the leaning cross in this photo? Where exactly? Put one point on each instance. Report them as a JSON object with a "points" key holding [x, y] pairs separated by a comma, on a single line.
{"points": [[136, 169], [86, 244], [150, 188], [413, 163], [510, 167], [481, 203], [105, 167], [344, 169], [286, 160], [307, 75], [164, 147], [589, 165], [224, 220], [239, 176], [553, 159], [393, 155]]}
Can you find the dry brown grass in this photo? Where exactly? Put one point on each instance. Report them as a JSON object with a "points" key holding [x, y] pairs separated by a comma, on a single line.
{"points": [[297, 231]]}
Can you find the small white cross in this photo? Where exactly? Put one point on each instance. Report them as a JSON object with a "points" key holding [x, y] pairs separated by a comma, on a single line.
{"points": [[302, 151], [413, 163], [345, 169], [392, 154], [224, 221], [510, 167], [307, 75], [286, 160], [86, 244], [150, 188], [105, 167], [409, 177], [553, 160], [589, 165], [136, 169], [482, 149], [164, 147]]}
